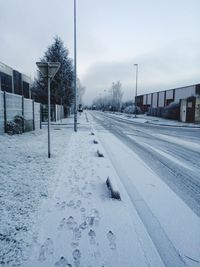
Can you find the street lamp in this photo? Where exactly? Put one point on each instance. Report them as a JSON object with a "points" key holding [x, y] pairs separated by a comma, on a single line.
{"points": [[136, 78], [48, 70], [75, 70]]}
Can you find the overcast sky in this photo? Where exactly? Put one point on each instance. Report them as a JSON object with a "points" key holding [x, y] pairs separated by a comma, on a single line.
{"points": [[162, 36]]}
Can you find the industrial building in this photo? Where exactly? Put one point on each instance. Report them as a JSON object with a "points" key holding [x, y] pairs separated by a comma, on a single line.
{"points": [[14, 82], [155, 103]]}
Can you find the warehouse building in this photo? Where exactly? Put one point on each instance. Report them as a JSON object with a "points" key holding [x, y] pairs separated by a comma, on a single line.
{"points": [[12, 81], [164, 98], [184, 100]]}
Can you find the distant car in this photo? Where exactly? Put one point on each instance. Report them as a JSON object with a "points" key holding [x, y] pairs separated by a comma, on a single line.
{"points": [[80, 110], [172, 111]]}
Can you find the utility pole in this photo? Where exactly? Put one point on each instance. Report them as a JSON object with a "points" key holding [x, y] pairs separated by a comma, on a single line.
{"points": [[136, 82], [75, 70]]}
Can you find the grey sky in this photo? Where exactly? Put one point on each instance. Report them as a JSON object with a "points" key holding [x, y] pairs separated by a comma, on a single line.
{"points": [[161, 36]]}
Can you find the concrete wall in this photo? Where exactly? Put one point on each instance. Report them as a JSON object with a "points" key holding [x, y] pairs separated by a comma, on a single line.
{"points": [[144, 99], [155, 100], [161, 99], [149, 99], [169, 94], [17, 105], [37, 115], [1, 113], [28, 114], [13, 106]]}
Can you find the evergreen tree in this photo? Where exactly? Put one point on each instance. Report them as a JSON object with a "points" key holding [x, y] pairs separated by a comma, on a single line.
{"points": [[61, 85]]}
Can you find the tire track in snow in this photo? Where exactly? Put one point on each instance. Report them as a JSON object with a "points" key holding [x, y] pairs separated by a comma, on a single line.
{"points": [[183, 182]]}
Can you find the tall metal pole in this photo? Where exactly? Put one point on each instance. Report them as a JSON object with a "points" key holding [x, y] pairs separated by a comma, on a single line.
{"points": [[49, 113], [75, 74], [136, 78]]}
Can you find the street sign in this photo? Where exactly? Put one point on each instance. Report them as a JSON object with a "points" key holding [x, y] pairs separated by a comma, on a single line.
{"points": [[48, 69]]}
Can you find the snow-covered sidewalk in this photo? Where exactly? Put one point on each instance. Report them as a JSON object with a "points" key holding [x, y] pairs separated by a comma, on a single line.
{"points": [[81, 225]]}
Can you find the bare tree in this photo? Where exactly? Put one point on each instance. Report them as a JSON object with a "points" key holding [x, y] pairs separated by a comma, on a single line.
{"points": [[117, 95], [112, 100]]}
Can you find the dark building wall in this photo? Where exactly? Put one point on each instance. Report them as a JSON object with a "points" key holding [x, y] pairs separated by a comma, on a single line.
{"points": [[6, 82], [17, 83], [25, 89], [198, 89]]}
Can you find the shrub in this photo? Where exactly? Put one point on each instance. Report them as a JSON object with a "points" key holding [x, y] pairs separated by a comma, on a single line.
{"points": [[16, 126]]}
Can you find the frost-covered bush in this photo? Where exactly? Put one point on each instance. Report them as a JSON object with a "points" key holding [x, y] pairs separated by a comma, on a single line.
{"points": [[16, 126], [131, 110]]}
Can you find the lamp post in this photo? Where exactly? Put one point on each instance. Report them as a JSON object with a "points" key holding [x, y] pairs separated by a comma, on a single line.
{"points": [[75, 70], [48, 70], [136, 83]]}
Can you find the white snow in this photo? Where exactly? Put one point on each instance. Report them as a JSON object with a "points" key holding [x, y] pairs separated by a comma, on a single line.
{"points": [[58, 211], [81, 218], [26, 179], [176, 219], [140, 118], [166, 155], [183, 142]]}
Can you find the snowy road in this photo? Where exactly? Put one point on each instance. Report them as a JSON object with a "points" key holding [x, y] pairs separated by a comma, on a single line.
{"points": [[172, 153]]}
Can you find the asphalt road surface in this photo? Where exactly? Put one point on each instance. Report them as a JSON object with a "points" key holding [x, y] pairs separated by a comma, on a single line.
{"points": [[173, 153]]}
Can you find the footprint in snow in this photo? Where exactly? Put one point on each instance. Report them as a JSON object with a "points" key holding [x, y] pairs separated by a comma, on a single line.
{"points": [[62, 262], [88, 195], [71, 223], [93, 218], [82, 210], [92, 236], [62, 224], [111, 238], [76, 256], [84, 225], [46, 249], [78, 203], [77, 233], [63, 205], [74, 244], [70, 203]]}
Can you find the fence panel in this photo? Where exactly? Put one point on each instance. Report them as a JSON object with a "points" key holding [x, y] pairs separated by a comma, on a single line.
{"points": [[1, 113], [59, 112], [17, 105], [37, 115], [13, 106], [28, 114]]}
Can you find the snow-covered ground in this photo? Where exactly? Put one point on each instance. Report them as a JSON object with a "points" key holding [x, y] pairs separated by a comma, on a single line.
{"points": [[26, 179], [59, 212], [153, 120]]}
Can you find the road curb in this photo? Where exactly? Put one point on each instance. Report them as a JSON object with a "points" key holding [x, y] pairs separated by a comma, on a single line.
{"points": [[113, 189]]}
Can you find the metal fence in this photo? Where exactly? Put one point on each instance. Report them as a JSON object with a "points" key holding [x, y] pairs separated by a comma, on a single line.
{"points": [[57, 112], [12, 105]]}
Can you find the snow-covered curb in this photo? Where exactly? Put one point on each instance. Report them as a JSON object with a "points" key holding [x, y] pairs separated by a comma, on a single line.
{"points": [[112, 186]]}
